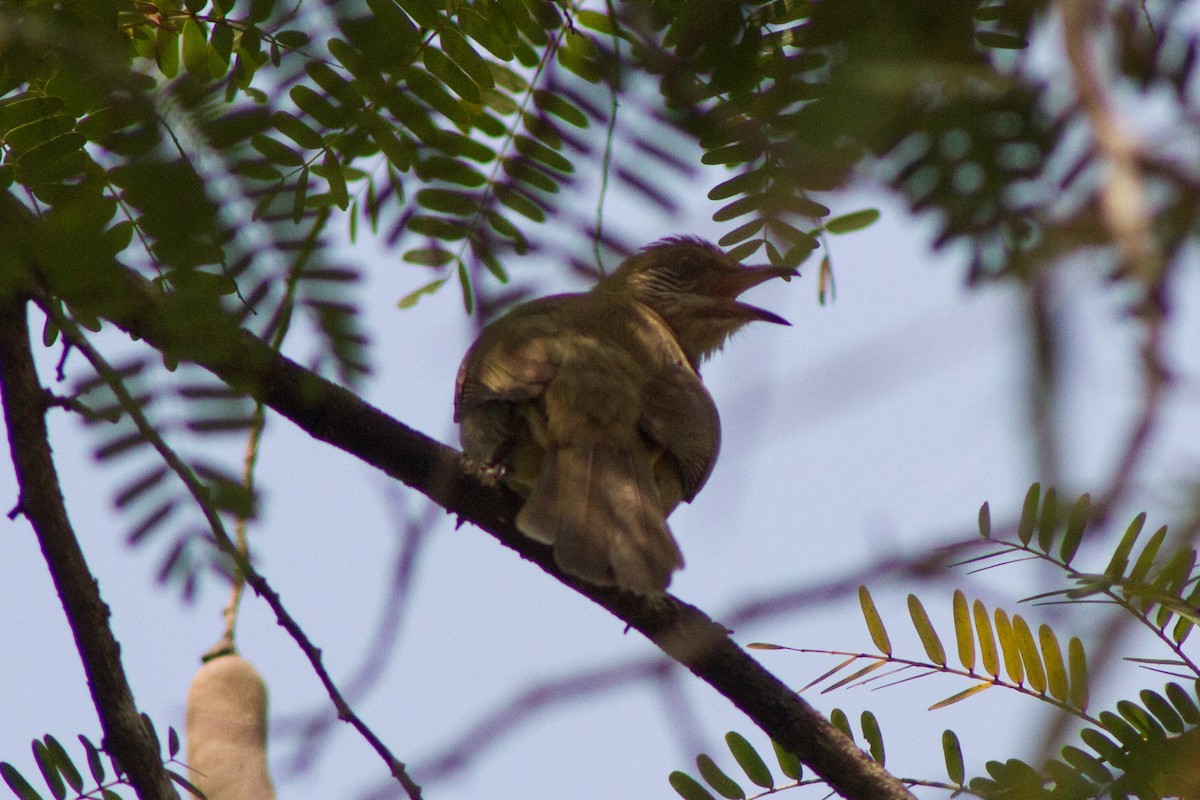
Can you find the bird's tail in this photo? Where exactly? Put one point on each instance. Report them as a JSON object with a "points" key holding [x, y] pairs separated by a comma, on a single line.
{"points": [[599, 508]]}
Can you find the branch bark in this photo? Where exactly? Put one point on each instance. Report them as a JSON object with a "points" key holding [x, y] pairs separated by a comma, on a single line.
{"points": [[126, 737], [336, 416]]}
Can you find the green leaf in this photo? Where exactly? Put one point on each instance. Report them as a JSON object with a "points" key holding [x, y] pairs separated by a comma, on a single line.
{"points": [[874, 737], [1048, 520], [166, 51], [987, 641], [1120, 558], [449, 73], [297, 130], [717, 779], [292, 39], [929, 637], [963, 695], [301, 195], [195, 47], [874, 622], [742, 232], [432, 91], [1009, 648], [539, 151], [1031, 659], [789, 765], [30, 134], [468, 294], [448, 201], [316, 106], [184, 783], [854, 221], [45, 764], [1121, 728], [465, 57], [1056, 670], [963, 633], [334, 84], [62, 761], [985, 521], [331, 170], [1076, 525], [1145, 560], [743, 205], [1183, 703], [1162, 710], [276, 151], [1077, 666], [95, 762], [746, 183], [1029, 511], [560, 107], [839, 720], [749, 760], [1087, 765], [424, 12], [394, 149], [452, 170], [952, 753], [16, 781], [409, 300], [429, 256], [519, 202], [23, 109], [594, 20], [688, 787]]}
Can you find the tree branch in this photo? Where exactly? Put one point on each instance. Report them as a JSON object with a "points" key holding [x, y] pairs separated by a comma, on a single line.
{"points": [[336, 416], [126, 737]]}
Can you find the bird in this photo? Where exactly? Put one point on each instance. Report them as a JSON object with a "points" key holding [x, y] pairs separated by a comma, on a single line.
{"points": [[590, 406]]}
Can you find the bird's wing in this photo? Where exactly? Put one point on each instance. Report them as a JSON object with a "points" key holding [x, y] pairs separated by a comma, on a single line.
{"points": [[680, 416], [513, 361]]}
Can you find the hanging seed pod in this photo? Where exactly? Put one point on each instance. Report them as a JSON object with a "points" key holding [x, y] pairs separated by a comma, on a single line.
{"points": [[227, 731]]}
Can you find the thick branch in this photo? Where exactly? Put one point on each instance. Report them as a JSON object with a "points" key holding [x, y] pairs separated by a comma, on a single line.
{"points": [[126, 737], [337, 416]]}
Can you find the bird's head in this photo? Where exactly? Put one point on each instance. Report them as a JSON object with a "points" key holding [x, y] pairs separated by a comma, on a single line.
{"points": [[693, 285]]}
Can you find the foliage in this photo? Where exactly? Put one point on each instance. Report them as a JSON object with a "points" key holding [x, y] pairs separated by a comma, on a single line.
{"points": [[1146, 746], [60, 773]]}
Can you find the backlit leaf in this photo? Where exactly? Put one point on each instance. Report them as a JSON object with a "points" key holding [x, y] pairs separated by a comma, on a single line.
{"points": [[874, 622], [929, 637], [1031, 659], [987, 641], [1056, 670], [963, 633], [1009, 648]]}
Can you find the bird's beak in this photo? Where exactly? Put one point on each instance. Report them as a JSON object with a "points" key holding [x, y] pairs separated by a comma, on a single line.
{"points": [[734, 283]]}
